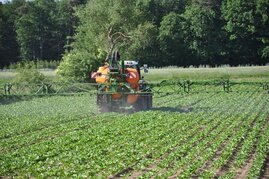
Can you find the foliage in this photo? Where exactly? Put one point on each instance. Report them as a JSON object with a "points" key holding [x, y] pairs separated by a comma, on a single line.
{"points": [[121, 27], [201, 33], [159, 33], [27, 73], [9, 49], [39, 64], [42, 28], [172, 40]]}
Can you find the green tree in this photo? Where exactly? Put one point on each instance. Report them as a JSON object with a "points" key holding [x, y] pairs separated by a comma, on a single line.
{"points": [[201, 33], [262, 26], [172, 42], [34, 29], [121, 26], [45, 27], [9, 49], [241, 25]]}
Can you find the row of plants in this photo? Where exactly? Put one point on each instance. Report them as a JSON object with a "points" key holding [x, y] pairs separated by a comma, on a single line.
{"points": [[177, 138], [186, 156]]}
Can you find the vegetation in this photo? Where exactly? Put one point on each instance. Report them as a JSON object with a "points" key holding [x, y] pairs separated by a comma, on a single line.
{"points": [[35, 30], [192, 135], [159, 33], [39, 64], [247, 73], [27, 73]]}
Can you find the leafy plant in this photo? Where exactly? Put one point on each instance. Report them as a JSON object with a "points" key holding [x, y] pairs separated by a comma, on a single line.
{"points": [[27, 73]]}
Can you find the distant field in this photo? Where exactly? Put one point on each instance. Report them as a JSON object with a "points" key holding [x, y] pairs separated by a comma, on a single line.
{"points": [[255, 73]]}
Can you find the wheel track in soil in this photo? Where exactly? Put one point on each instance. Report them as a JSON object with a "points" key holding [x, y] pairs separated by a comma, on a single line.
{"points": [[152, 166], [218, 153], [265, 174], [231, 161], [242, 172], [226, 140], [130, 168], [179, 171], [180, 97], [197, 142]]}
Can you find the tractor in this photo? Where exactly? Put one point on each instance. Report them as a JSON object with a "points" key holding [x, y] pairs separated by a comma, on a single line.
{"points": [[121, 86]]}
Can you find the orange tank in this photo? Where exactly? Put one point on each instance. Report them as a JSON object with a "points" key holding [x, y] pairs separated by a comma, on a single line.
{"points": [[116, 96], [132, 77], [132, 98]]}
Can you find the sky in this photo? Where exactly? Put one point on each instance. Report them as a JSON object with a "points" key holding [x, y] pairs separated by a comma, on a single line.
{"points": [[4, 0]]}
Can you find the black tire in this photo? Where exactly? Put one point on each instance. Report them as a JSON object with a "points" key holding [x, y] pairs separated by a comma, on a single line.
{"points": [[144, 102], [149, 100], [139, 104], [103, 103]]}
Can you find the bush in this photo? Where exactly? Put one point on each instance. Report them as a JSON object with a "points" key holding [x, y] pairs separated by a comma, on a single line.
{"points": [[27, 73], [77, 66]]}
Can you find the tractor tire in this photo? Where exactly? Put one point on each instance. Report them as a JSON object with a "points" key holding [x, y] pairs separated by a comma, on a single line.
{"points": [[139, 104], [149, 100], [115, 106], [144, 102], [103, 103]]}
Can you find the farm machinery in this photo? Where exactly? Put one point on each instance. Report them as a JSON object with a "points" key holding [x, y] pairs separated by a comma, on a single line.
{"points": [[121, 85]]}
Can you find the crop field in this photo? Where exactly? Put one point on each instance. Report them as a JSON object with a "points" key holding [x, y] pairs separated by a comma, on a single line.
{"points": [[207, 135]]}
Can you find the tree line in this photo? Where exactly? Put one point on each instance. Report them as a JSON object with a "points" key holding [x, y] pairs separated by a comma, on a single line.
{"points": [[36, 30], [156, 32]]}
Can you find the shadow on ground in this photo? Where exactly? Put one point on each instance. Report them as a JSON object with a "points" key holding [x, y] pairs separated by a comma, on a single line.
{"points": [[173, 109], [180, 109], [5, 100]]}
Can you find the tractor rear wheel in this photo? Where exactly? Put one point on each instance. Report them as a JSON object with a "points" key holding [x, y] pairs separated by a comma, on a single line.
{"points": [[144, 102], [149, 100], [103, 103]]}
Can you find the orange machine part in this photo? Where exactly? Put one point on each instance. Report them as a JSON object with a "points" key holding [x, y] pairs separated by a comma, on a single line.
{"points": [[103, 74], [132, 77], [116, 96], [132, 98]]}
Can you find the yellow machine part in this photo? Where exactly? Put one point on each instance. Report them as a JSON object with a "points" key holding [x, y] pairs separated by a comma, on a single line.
{"points": [[103, 71]]}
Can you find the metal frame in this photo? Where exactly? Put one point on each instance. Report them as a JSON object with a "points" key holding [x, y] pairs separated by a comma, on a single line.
{"points": [[164, 87]]}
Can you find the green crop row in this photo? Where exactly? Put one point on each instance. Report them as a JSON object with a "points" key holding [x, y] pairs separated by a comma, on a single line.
{"points": [[183, 136]]}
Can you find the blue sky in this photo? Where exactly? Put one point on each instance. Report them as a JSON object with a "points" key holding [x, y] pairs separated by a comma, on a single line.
{"points": [[4, 0]]}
